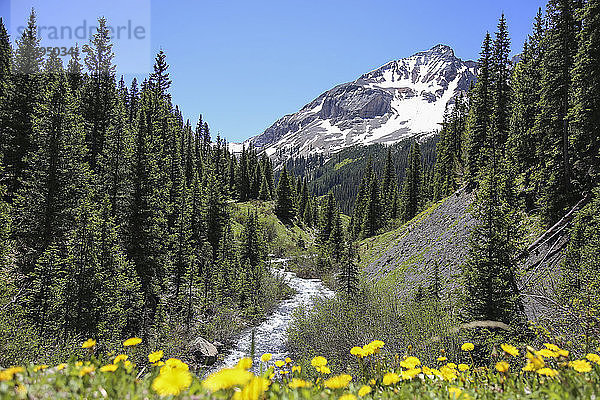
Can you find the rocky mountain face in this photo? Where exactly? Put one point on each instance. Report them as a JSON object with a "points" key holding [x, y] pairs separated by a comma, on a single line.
{"points": [[402, 99]]}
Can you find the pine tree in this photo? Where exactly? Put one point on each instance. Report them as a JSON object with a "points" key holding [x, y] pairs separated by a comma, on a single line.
{"points": [[411, 189], [388, 185], [285, 207], [372, 219], [480, 112], [328, 215], [99, 94], [551, 123], [336, 239], [585, 111], [358, 213], [5, 87], [347, 278], [27, 82], [501, 91], [160, 77]]}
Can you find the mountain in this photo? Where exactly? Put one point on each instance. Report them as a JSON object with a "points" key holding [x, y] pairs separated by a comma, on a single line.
{"points": [[402, 99]]}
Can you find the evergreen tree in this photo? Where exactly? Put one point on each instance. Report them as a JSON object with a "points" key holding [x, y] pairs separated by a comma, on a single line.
{"points": [[285, 207], [27, 82], [5, 87], [585, 111], [347, 278], [551, 123], [480, 112], [411, 190], [160, 77]]}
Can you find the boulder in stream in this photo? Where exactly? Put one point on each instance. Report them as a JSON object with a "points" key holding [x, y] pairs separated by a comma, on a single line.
{"points": [[204, 351]]}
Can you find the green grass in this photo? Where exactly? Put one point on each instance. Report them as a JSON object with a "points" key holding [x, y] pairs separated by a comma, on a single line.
{"points": [[343, 163]]}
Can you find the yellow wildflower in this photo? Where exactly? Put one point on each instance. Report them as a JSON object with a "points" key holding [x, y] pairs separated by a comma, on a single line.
{"points": [[175, 363], [410, 362], [581, 366], [134, 341], [427, 370], [88, 343], [297, 368], [254, 390], [372, 382], [245, 363], [552, 347], [546, 353], [61, 366], [535, 360], [227, 378], [357, 351], [347, 396], [279, 363], [593, 357], [410, 373], [119, 358], [463, 367], [9, 373], [454, 392], [442, 359], [448, 374], [86, 370], [297, 383], [510, 349], [365, 390], [155, 356], [338, 382], [563, 353], [266, 357], [109, 368], [318, 361], [390, 378], [502, 366], [451, 365], [288, 360], [549, 372], [323, 370], [39, 367], [171, 381], [467, 346]]}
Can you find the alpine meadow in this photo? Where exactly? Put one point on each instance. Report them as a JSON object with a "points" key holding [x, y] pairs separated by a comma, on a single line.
{"points": [[430, 230]]}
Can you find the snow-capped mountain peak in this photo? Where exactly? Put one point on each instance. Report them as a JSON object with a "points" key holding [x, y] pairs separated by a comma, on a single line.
{"points": [[401, 99]]}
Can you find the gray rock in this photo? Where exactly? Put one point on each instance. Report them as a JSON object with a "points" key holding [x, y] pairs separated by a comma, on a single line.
{"points": [[204, 352]]}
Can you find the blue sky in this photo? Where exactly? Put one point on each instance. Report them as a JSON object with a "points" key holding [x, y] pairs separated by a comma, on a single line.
{"points": [[244, 64]]}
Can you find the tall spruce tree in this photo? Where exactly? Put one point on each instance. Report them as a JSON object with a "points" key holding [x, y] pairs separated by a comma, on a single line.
{"points": [[285, 207], [411, 189]]}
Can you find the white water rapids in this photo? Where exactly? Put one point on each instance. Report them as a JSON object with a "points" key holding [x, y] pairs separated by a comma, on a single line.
{"points": [[270, 335]]}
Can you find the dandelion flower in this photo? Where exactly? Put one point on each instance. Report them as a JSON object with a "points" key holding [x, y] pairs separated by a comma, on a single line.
{"points": [[410, 373], [448, 374], [297, 368], [9, 373], [552, 347], [288, 360], [410, 362], [109, 368], [134, 341], [593, 357], [391, 378], [39, 367], [347, 396], [254, 389], [357, 351], [372, 382], [155, 356], [323, 370], [119, 358], [454, 392], [442, 359], [581, 366], [266, 357], [451, 365], [510, 349], [463, 367], [502, 366], [318, 361], [61, 366], [365, 390], [549, 372], [176, 363], [467, 346], [245, 363], [171, 381], [338, 382], [546, 353], [227, 378], [88, 344], [297, 383], [535, 360], [86, 370], [279, 363]]}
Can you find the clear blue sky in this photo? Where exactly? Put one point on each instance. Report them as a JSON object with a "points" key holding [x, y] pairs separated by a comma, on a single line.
{"points": [[244, 64]]}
